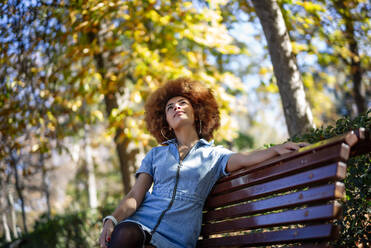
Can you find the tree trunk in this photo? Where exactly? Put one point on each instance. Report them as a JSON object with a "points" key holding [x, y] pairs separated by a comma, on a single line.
{"points": [[45, 185], [19, 190], [297, 112], [12, 215], [6, 227], [3, 206], [121, 144], [356, 71], [111, 103], [92, 187]]}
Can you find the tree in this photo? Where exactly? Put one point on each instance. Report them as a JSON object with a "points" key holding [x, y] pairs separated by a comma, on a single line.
{"points": [[354, 60], [332, 39], [295, 107], [131, 48], [68, 67]]}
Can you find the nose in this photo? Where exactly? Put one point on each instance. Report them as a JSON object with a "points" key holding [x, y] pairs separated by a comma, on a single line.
{"points": [[177, 106]]}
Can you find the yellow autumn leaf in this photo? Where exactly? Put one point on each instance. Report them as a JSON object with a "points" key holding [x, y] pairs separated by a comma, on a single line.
{"points": [[297, 47], [187, 4], [263, 71], [165, 20], [98, 114], [51, 116], [82, 25], [115, 112], [272, 88], [51, 126], [310, 6]]}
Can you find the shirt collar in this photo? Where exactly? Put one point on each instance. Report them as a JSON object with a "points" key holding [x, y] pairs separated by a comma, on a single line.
{"points": [[168, 142], [200, 142], [205, 142]]}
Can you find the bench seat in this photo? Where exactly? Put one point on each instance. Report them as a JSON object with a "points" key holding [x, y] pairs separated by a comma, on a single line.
{"points": [[293, 199]]}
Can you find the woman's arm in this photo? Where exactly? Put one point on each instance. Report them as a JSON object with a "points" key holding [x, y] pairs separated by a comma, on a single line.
{"points": [[241, 160], [128, 205]]}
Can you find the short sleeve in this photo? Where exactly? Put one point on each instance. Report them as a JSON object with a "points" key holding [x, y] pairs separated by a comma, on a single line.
{"points": [[146, 166], [223, 155]]}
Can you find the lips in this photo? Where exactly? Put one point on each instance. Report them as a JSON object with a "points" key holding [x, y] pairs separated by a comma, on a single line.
{"points": [[178, 113]]}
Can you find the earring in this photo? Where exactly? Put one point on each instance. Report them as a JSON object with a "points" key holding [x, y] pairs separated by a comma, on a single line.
{"points": [[163, 134], [200, 127]]}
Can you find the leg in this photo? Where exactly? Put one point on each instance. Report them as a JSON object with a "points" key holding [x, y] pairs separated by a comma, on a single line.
{"points": [[127, 235]]}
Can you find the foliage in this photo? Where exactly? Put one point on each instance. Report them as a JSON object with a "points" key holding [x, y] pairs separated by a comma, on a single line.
{"points": [[242, 142], [331, 39], [67, 65], [77, 229], [355, 223]]}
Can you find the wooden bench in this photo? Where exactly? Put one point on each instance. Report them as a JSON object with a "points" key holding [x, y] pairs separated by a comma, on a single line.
{"points": [[290, 200]]}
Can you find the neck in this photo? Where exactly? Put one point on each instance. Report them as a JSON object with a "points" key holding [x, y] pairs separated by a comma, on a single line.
{"points": [[186, 136]]}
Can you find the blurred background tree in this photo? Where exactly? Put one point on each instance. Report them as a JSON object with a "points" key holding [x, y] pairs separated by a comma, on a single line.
{"points": [[74, 77]]}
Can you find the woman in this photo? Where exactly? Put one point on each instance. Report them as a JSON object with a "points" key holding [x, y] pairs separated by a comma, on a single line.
{"points": [[182, 115]]}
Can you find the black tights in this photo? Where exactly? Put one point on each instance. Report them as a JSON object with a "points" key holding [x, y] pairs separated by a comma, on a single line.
{"points": [[129, 235]]}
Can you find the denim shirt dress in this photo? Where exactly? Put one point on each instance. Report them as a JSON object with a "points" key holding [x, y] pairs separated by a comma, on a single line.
{"points": [[200, 169]]}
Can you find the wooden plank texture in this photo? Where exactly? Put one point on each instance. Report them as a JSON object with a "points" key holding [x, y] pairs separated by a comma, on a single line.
{"points": [[314, 195], [334, 171], [308, 161], [309, 233], [309, 214], [318, 147]]}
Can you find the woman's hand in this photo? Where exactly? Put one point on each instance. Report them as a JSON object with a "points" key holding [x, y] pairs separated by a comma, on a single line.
{"points": [[287, 147], [105, 236], [127, 206]]}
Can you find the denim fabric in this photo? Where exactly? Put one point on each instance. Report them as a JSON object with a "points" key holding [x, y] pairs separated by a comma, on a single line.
{"points": [[201, 168]]}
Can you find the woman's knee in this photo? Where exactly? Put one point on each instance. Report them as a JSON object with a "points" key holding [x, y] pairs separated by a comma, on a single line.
{"points": [[127, 235]]}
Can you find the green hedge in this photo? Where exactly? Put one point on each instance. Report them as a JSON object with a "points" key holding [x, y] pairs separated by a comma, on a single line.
{"points": [[72, 230], [355, 227]]}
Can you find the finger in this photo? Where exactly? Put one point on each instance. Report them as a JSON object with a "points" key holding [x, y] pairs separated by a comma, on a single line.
{"points": [[292, 146], [103, 238], [108, 239]]}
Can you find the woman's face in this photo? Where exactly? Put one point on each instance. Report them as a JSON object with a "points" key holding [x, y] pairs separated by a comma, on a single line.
{"points": [[179, 111]]}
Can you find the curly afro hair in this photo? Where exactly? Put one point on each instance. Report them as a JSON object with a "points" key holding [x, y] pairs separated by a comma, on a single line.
{"points": [[203, 102]]}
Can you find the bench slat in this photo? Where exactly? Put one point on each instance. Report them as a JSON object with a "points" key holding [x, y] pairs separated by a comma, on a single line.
{"points": [[348, 139], [319, 245], [334, 171], [313, 195], [310, 233], [310, 214], [309, 161]]}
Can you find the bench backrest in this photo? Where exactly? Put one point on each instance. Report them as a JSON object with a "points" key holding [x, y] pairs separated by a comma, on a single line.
{"points": [[291, 199]]}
